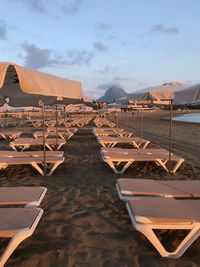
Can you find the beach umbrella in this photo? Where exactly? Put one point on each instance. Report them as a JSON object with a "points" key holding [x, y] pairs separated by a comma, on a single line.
{"points": [[26, 87], [161, 95], [189, 95]]}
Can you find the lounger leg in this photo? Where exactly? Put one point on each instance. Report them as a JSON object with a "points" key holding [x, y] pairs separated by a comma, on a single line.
{"points": [[13, 147], [25, 147], [128, 164], [37, 167], [186, 243], [178, 164], [111, 164], [48, 146], [162, 164], [113, 144], [135, 144], [59, 146], [146, 144], [54, 167]]}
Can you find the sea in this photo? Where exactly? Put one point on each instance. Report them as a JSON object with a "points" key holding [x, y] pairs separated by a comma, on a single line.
{"points": [[190, 117]]}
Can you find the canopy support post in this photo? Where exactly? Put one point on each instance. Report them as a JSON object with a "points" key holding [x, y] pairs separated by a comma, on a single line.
{"points": [[44, 140], [170, 134], [142, 122], [56, 127]]}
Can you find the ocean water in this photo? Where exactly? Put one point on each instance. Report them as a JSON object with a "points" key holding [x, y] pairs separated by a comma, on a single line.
{"points": [[191, 117]]}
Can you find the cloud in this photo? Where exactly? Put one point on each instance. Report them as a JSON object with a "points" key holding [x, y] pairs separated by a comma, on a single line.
{"points": [[38, 58], [112, 37], [103, 26], [79, 57], [35, 5], [72, 7], [99, 46], [105, 70], [105, 86], [120, 79], [3, 29], [161, 29]]}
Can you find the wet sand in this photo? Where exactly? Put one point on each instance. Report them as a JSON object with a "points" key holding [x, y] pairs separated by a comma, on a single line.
{"points": [[84, 222]]}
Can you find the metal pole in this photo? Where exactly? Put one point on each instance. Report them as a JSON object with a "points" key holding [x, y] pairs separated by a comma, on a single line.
{"points": [[127, 118], [5, 126], [56, 127], [117, 122], [170, 134], [64, 117], [44, 140], [141, 123]]}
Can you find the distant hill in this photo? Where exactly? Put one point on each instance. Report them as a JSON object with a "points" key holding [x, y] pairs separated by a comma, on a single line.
{"points": [[112, 94]]}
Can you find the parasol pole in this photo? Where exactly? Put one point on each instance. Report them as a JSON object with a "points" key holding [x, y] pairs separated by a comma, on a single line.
{"points": [[141, 122], [127, 118], [56, 126], [170, 134], [117, 120], [44, 139], [64, 117], [5, 122]]}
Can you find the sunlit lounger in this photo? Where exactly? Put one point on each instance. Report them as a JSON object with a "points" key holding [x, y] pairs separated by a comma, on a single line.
{"points": [[25, 143], [128, 188], [17, 224], [150, 213]]}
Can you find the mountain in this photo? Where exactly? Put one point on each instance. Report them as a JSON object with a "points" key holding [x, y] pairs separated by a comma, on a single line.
{"points": [[112, 94]]}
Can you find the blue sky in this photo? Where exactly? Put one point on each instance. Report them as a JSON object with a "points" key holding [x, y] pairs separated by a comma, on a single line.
{"points": [[133, 43]]}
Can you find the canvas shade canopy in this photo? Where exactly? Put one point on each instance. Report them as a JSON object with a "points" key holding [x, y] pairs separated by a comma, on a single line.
{"points": [[190, 95], [158, 94], [25, 87], [162, 95]]}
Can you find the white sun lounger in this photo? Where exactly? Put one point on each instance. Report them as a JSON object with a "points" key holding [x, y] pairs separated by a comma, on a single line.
{"points": [[51, 163], [25, 143], [17, 224], [63, 129], [150, 213], [128, 159], [128, 188], [136, 142], [63, 135], [131, 151], [27, 196], [10, 135], [23, 154]]}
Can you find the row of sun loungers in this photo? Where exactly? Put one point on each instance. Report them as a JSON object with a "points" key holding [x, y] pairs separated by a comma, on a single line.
{"points": [[153, 204], [120, 159], [18, 223]]}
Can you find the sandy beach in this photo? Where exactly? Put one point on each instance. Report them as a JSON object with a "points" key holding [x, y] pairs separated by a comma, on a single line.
{"points": [[84, 222]]}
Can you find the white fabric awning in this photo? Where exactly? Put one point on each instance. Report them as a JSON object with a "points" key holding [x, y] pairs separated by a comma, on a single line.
{"points": [[157, 93], [26, 87], [190, 95]]}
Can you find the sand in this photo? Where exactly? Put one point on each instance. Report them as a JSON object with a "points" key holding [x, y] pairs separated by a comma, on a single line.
{"points": [[84, 222]]}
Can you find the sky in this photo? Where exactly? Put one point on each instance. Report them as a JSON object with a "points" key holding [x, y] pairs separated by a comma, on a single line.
{"points": [[131, 43]]}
